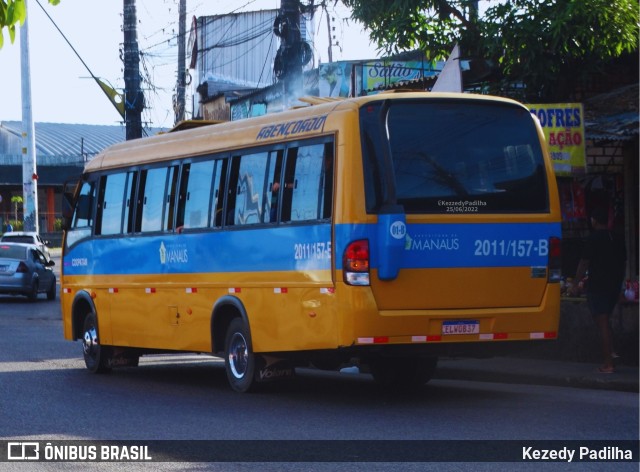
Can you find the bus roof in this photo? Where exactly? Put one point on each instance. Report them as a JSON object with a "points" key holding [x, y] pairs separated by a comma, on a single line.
{"points": [[219, 137]]}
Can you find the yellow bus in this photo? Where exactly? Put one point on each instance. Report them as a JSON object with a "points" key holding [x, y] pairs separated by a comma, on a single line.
{"points": [[384, 230]]}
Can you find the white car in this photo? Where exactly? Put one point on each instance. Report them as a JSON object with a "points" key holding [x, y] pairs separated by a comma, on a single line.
{"points": [[27, 237]]}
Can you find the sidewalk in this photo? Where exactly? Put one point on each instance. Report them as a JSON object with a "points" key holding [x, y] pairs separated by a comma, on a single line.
{"points": [[539, 372]]}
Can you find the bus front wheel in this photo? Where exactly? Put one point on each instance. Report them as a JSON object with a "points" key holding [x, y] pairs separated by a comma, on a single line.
{"points": [[239, 360], [96, 356]]}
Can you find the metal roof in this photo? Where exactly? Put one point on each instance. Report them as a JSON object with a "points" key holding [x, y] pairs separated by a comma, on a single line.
{"points": [[61, 139], [613, 116], [236, 49]]}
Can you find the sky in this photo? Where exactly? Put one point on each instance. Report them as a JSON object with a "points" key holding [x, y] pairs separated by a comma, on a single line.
{"points": [[61, 88]]}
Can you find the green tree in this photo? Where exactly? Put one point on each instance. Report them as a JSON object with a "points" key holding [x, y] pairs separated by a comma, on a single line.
{"points": [[12, 12], [542, 44], [16, 200]]}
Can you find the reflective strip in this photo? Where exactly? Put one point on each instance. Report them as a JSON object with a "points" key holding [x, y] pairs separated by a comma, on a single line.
{"points": [[150, 290], [191, 290], [425, 339], [113, 290], [280, 290], [327, 290], [66, 290], [234, 290], [374, 340], [492, 336], [550, 335], [545, 335]]}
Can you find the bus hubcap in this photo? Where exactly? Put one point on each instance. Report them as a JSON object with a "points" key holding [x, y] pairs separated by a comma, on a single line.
{"points": [[90, 342], [238, 356]]}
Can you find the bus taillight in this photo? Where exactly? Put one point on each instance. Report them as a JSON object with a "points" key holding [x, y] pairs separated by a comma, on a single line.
{"points": [[555, 266], [355, 263]]}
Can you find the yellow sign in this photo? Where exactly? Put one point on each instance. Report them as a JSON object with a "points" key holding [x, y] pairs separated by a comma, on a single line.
{"points": [[563, 126]]}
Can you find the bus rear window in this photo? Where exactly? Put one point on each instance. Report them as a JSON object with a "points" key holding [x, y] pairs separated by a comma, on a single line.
{"points": [[453, 156]]}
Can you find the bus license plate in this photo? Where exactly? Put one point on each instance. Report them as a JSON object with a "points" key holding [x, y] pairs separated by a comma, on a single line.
{"points": [[460, 327]]}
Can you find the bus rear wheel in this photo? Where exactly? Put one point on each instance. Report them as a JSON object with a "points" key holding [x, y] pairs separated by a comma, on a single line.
{"points": [[96, 356], [239, 360], [403, 372]]}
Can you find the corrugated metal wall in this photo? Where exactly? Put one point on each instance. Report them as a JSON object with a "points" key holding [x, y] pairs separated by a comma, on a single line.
{"points": [[238, 48]]}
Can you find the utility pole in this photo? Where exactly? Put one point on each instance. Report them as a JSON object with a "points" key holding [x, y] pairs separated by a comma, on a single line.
{"points": [[290, 49], [179, 105], [29, 174], [134, 98], [329, 35]]}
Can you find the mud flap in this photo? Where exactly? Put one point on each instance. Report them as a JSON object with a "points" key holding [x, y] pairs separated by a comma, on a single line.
{"points": [[270, 368]]}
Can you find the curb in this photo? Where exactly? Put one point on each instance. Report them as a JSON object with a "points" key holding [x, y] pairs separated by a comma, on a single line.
{"points": [[538, 372]]}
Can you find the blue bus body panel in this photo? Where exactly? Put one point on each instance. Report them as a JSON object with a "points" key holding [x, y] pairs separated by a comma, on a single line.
{"points": [[290, 248], [472, 245], [303, 248]]}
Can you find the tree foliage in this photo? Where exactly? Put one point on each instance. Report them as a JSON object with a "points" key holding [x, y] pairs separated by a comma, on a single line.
{"points": [[11, 13], [541, 44]]}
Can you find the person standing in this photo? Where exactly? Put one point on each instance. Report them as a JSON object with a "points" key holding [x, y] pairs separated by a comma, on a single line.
{"points": [[604, 257]]}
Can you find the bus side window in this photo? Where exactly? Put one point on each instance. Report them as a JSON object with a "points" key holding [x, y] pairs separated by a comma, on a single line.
{"points": [[195, 194], [252, 191], [111, 204], [272, 189], [232, 192], [219, 190], [307, 194], [82, 215], [130, 198], [82, 220], [151, 202], [325, 198], [170, 199]]}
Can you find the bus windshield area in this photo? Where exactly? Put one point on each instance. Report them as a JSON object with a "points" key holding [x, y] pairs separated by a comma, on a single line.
{"points": [[453, 156]]}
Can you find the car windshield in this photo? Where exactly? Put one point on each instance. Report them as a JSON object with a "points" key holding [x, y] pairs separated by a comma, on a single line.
{"points": [[13, 252]]}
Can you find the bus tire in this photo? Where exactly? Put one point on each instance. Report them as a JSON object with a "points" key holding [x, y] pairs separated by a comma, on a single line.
{"points": [[402, 372], [239, 360], [96, 356]]}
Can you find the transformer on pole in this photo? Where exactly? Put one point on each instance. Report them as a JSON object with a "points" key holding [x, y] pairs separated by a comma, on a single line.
{"points": [[293, 53]]}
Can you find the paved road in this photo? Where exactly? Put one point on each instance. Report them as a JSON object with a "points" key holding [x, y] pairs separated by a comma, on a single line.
{"points": [[46, 394]]}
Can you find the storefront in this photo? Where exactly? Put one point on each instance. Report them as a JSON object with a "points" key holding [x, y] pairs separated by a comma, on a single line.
{"points": [[609, 177]]}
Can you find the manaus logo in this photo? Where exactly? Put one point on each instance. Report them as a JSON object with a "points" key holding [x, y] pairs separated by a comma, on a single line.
{"points": [[173, 254]]}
